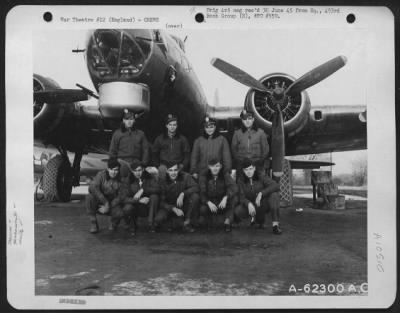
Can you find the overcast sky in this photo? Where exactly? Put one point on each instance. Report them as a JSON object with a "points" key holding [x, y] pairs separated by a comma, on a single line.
{"points": [[258, 52]]}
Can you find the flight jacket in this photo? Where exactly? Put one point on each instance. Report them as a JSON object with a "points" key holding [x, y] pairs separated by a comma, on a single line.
{"points": [[252, 144], [167, 149], [129, 144], [214, 189], [248, 191], [206, 148], [170, 190], [105, 188]]}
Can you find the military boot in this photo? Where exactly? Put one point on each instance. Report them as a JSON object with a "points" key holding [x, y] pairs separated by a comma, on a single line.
{"points": [[94, 227]]}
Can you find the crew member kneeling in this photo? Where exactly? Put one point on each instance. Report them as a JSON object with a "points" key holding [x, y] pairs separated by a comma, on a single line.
{"points": [[104, 196], [140, 196], [258, 196], [179, 197], [218, 193]]}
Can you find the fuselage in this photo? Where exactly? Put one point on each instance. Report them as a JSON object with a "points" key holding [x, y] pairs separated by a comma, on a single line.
{"points": [[155, 60]]}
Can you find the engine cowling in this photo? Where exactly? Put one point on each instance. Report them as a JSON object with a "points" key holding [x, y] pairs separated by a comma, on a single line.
{"points": [[46, 117], [295, 109]]}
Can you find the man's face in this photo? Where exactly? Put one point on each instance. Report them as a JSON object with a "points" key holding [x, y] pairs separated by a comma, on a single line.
{"points": [[138, 172], [210, 129], [249, 171], [173, 172], [113, 172], [248, 122], [215, 169], [172, 126], [128, 122]]}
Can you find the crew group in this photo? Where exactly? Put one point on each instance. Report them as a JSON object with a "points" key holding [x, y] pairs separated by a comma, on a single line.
{"points": [[189, 186]]}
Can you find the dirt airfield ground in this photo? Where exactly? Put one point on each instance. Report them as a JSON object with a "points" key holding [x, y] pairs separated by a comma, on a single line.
{"points": [[317, 248]]}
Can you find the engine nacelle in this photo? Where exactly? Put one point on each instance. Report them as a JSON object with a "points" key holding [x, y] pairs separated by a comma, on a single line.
{"points": [[295, 111], [46, 117]]}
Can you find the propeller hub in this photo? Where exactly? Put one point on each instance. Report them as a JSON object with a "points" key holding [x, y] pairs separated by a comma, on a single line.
{"points": [[268, 103], [279, 93]]}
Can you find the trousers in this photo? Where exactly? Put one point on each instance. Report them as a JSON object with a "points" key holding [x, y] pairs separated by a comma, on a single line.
{"points": [[190, 209], [227, 212], [268, 204], [92, 205], [142, 210]]}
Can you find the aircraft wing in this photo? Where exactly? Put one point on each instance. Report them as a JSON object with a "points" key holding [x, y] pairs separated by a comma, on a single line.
{"points": [[59, 96], [308, 164], [330, 129], [322, 129]]}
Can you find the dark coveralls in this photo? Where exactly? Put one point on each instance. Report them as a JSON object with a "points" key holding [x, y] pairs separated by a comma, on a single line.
{"points": [[214, 189], [248, 191], [134, 208], [103, 189], [170, 191]]}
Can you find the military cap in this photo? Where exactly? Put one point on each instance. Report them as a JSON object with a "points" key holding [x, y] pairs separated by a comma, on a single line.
{"points": [[246, 113], [170, 118], [209, 121], [128, 114]]}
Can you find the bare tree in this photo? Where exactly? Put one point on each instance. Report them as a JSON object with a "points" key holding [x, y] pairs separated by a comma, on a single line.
{"points": [[360, 171]]}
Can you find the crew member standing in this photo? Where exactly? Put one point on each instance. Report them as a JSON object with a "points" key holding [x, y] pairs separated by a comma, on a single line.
{"points": [[129, 143], [170, 147], [250, 142], [210, 145]]}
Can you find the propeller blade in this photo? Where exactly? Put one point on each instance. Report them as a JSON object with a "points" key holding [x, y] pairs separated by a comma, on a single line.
{"points": [[277, 143], [316, 75], [238, 75]]}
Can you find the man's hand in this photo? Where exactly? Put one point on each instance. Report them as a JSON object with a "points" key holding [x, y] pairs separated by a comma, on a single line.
{"points": [[179, 201], [212, 206], [144, 200], [258, 199], [104, 208], [138, 195], [252, 209], [222, 204], [178, 212], [195, 176]]}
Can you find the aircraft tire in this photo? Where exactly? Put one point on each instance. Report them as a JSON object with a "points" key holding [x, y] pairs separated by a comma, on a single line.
{"points": [[57, 181]]}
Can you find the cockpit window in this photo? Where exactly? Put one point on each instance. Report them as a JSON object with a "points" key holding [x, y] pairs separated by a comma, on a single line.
{"points": [[119, 53]]}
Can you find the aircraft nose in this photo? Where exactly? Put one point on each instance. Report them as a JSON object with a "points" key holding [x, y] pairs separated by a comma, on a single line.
{"points": [[118, 54]]}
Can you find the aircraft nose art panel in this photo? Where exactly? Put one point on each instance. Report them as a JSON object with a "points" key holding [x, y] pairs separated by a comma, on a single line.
{"points": [[118, 54]]}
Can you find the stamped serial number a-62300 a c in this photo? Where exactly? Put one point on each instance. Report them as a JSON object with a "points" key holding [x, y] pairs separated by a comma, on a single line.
{"points": [[326, 289]]}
